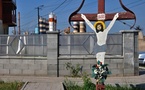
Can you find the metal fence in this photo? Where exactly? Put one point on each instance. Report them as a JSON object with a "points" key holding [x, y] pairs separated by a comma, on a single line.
{"points": [[71, 44], [85, 44], [24, 45]]}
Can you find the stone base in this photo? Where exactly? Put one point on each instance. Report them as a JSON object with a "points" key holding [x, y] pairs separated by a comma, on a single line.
{"points": [[100, 87]]}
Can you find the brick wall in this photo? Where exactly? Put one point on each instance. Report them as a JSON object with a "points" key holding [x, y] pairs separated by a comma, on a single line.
{"points": [[115, 64], [23, 66]]}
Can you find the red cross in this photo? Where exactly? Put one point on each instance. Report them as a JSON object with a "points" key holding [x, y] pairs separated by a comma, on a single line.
{"points": [[101, 11]]}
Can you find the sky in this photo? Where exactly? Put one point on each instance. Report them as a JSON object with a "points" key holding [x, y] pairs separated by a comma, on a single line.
{"points": [[28, 12]]}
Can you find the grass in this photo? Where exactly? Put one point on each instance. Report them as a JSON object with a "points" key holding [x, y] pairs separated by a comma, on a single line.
{"points": [[88, 85], [10, 85], [110, 87], [107, 87]]}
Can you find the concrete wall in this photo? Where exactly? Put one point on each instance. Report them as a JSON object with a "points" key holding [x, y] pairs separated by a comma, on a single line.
{"points": [[22, 66], [125, 65], [130, 52], [115, 64], [52, 53], [54, 64]]}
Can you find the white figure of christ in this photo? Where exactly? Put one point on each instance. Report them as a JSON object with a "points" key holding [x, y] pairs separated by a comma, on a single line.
{"points": [[101, 37]]}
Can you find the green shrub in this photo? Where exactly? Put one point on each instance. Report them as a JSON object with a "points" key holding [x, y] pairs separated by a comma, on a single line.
{"points": [[10, 85], [71, 85], [74, 70], [125, 87], [88, 85]]}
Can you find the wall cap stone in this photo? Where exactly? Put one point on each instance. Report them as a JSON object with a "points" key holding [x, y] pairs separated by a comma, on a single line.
{"points": [[89, 57], [52, 32], [129, 31], [22, 57]]}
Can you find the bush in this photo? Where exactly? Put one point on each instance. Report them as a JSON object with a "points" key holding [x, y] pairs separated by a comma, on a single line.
{"points": [[74, 70], [88, 85], [71, 85], [110, 87], [10, 85]]}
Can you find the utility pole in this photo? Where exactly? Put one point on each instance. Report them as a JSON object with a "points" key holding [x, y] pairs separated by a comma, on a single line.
{"points": [[19, 30], [38, 15]]}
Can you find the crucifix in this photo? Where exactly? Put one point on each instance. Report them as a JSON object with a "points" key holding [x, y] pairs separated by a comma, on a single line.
{"points": [[101, 15], [100, 19], [99, 27]]}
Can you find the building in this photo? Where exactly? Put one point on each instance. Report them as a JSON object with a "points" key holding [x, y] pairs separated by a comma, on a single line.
{"points": [[141, 42], [7, 15]]}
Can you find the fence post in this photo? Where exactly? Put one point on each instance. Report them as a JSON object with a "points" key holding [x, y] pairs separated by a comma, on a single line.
{"points": [[130, 52], [52, 53]]}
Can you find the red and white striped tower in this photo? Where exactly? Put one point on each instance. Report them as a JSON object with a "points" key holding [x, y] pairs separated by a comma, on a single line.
{"points": [[52, 22]]}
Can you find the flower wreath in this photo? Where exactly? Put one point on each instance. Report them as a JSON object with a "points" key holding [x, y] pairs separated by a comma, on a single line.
{"points": [[100, 72]]}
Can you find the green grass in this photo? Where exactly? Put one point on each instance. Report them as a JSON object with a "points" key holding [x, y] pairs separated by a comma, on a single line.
{"points": [[108, 87], [88, 85], [10, 85]]}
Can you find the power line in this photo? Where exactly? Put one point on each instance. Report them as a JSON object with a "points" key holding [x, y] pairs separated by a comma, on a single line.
{"points": [[52, 5], [65, 6], [134, 3], [138, 5], [125, 5], [26, 14], [56, 7], [38, 8], [125, 23], [132, 7], [59, 5], [28, 23]]}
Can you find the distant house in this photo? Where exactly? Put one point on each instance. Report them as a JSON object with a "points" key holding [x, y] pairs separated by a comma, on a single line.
{"points": [[7, 15], [141, 42]]}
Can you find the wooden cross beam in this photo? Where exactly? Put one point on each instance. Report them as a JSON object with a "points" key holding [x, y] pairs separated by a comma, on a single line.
{"points": [[101, 15]]}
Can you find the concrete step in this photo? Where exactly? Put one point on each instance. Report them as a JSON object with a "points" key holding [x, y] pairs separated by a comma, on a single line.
{"points": [[43, 86]]}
